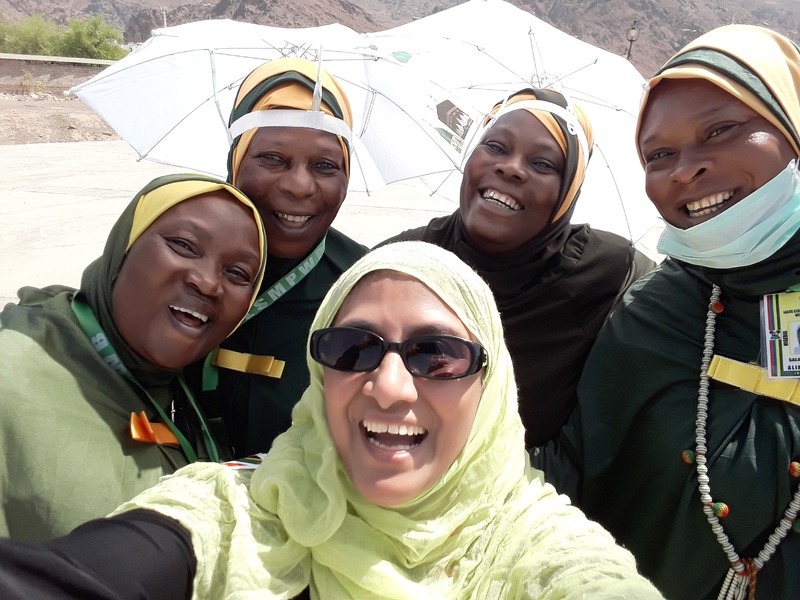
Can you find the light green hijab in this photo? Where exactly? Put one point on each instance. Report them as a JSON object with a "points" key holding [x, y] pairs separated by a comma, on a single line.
{"points": [[421, 541], [489, 528]]}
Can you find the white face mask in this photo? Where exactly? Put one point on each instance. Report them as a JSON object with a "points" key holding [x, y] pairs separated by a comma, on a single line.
{"points": [[748, 232]]}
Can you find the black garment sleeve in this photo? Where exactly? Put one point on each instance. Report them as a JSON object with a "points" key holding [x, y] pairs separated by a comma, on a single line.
{"points": [[139, 555], [640, 264]]}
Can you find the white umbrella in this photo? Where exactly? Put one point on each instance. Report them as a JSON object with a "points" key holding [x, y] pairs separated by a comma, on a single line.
{"points": [[481, 50], [171, 98]]}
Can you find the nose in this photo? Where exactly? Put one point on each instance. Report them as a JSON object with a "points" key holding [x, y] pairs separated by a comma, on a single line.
{"points": [[689, 166], [511, 165], [391, 382], [298, 181], [204, 277]]}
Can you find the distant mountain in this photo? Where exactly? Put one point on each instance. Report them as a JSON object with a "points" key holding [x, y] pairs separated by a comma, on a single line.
{"points": [[664, 25], [116, 12]]}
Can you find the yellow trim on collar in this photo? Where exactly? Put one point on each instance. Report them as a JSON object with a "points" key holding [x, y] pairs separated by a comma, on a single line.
{"points": [[267, 366], [753, 378]]}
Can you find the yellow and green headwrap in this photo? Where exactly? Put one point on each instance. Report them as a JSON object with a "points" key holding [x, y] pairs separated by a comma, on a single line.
{"points": [[288, 84], [753, 64], [163, 193], [157, 197], [570, 127]]}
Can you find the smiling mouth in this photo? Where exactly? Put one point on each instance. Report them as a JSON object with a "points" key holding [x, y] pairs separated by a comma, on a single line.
{"points": [[292, 218], [499, 199], [392, 436], [708, 205], [189, 317]]}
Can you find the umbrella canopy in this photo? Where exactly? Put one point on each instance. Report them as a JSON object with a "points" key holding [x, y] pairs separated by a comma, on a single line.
{"points": [[172, 97], [482, 50]]}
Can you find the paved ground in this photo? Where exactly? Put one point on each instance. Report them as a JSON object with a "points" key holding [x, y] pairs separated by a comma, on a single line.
{"points": [[58, 202]]}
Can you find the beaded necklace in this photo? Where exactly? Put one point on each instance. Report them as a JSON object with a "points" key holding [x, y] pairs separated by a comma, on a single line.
{"points": [[740, 581]]}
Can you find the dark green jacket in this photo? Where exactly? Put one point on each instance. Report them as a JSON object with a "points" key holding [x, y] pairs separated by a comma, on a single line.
{"points": [[619, 457], [255, 408], [66, 453]]}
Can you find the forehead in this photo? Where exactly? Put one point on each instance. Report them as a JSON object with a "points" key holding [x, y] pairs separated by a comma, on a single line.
{"points": [[389, 283], [392, 292], [295, 137], [524, 132], [209, 204], [672, 90], [522, 123], [676, 101], [213, 214]]}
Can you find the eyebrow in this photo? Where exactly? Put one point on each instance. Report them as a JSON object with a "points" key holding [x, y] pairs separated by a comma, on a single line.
{"points": [[245, 256], [327, 144], [189, 224], [704, 114]]}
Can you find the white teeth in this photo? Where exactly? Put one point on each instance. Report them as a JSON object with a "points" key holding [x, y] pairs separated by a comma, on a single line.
{"points": [[293, 218], [195, 314], [375, 427], [394, 447], [502, 199], [707, 205]]}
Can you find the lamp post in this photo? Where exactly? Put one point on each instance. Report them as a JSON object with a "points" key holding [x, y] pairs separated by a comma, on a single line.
{"points": [[632, 35]]}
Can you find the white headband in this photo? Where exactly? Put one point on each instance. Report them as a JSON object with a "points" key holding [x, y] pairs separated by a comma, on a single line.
{"points": [[568, 114], [279, 117]]}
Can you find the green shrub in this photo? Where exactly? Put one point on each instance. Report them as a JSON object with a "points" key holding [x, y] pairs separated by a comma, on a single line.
{"points": [[34, 35], [81, 38], [91, 38]]}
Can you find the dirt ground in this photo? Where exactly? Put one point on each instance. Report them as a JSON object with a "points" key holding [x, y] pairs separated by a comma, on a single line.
{"points": [[44, 118]]}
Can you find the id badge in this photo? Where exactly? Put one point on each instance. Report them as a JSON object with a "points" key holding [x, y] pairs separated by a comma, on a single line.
{"points": [[780, 334]]}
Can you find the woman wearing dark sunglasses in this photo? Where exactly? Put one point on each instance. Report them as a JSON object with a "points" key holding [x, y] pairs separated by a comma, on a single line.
{"points": [[404, 475]]}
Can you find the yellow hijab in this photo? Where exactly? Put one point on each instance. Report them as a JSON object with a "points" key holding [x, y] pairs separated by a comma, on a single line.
{"points": [[286, 83], [156, 198], [562, 121], [165, 192], [753, 64]]}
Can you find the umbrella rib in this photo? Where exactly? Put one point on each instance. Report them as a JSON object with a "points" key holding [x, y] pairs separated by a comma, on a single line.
{"points": [[216, 98], [105, 74], [188, 114], [619, 193], [368, 113], [423, 129], [534, 50]]}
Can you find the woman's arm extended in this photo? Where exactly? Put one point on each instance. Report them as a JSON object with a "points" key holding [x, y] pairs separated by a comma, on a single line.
{"points": [[136, 555]]}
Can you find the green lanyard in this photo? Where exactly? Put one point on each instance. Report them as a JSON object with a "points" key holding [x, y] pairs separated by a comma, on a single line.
{"points": [[266, 299], [103, 347]]}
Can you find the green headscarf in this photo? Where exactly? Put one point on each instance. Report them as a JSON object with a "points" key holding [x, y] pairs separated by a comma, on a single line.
{"points": [[286, 83], [489, 528], [97, 282], [755, 65], [67, 451]]}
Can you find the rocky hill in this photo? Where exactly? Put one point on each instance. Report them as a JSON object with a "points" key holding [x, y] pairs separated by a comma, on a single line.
{"points": [[665, 25]]}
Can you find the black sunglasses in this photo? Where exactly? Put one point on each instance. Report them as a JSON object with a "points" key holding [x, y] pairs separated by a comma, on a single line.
{"points": [[428, 356]]}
